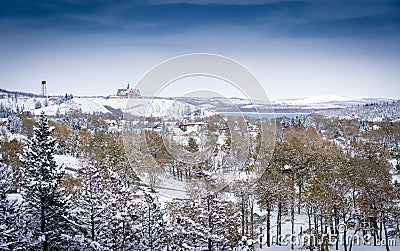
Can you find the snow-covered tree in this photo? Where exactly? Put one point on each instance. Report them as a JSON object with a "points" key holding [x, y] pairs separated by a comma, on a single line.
{"points": [[105, 211], [122, 229], [209, 223], [91, 204], [245, 245], [14, 123], [45, 207], [183, 231], [152, 232], [9, 234]]}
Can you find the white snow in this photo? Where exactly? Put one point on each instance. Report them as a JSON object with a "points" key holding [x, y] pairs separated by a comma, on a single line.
{"points": [[70, 163], [313, 99], [14, 197], [158, 108], [76, 104], [151, 107]]}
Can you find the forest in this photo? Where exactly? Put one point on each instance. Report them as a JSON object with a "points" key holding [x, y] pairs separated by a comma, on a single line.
{"points": [[330, 172]]}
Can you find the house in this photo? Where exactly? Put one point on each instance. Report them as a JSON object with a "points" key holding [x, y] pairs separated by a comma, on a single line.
{"points": [[259, 218], [192, 126], [340, 140], [376, 127]]}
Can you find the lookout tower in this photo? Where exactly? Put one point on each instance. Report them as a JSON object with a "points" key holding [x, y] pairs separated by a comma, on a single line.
{"points": [[44, 89]]}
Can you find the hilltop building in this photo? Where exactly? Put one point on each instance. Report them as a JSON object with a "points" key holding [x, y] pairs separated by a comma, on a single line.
{"points": [[125, 93]]}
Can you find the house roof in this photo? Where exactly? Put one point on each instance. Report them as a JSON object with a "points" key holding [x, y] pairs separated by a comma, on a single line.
{"points": [[122, 90]]}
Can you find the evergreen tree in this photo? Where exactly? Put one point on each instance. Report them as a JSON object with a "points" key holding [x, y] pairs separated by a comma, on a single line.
{"points": [[208, 223], [183, 232], [122, 220], [9, 235], [245, 245], [152, 235], [45, 207], [106, 213], [91, 205], [192, 145]]}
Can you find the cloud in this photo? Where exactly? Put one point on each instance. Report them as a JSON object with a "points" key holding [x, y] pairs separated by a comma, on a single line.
{"points": [[272, 18], [221, 2]]}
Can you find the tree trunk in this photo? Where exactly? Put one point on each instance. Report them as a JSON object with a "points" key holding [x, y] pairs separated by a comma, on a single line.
{"points": [[321, 241], [316, 232], [309, 211], [210, 223], [268, 225], [386, 236], [252, 221], [43, 225], [242, 208], [345, 235], [292, 222], [278, 224], [300, 192], [336, 231]]}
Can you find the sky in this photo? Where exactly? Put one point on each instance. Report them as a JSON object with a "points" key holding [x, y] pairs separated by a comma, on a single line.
{"points": [[295, 48]]}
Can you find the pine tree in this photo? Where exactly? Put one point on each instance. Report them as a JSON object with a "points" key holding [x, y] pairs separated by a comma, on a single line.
{"points": [[245, 245], [45, 207], [192, 145], [9, 235], [184, 229], [209, 223], [152, 234], [122, 217], [106, 213], [92, 202]]}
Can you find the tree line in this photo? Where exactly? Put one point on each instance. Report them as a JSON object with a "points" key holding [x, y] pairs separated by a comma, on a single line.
{"points": [[104, 206]]}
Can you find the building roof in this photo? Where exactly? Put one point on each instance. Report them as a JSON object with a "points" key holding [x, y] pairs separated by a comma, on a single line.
{"points": [[122, 91]]}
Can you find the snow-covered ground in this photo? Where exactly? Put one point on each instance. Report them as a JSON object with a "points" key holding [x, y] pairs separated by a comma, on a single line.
{"points": [[394, 172], [14, 197], [76, 104], [313, 100], [10, 136], [151, 107], [70, 163], [301, 224], [162, 106]]}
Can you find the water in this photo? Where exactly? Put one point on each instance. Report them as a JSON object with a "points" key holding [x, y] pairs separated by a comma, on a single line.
{"points": [[265, 115]]}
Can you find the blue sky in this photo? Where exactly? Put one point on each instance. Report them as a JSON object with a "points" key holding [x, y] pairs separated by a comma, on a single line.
{"points": [[296, 48]]}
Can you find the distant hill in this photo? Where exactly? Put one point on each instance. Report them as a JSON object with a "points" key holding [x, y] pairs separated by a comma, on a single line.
{"points": [[4, 92], [326, 105], [373, 111], [304, 104]]}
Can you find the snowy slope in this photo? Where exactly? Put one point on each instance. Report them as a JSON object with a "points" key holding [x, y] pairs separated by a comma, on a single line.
{"points": [[152, 107], [328, 101], [76, 104], [70, 163], [157, 107], [162, 106], [25, 103], [313, 100]]}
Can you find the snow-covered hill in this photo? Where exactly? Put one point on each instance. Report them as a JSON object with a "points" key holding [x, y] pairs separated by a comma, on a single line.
{"points": [[180, 106], [314, 99], [302, 104], [328, 101], [77, 104], [151, 107]]}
